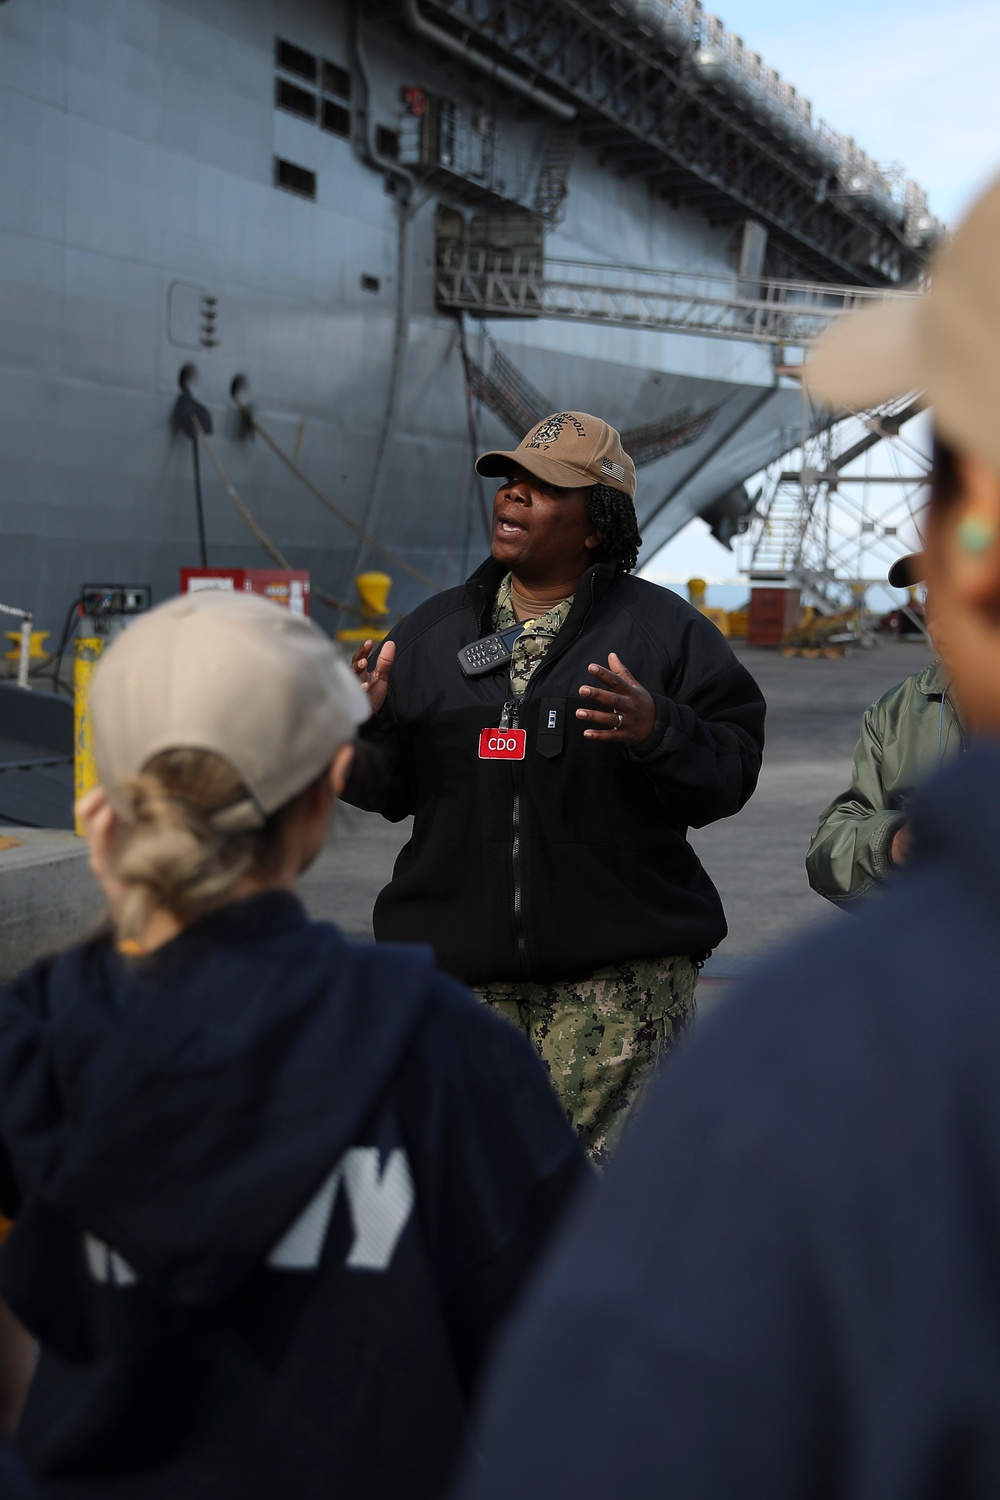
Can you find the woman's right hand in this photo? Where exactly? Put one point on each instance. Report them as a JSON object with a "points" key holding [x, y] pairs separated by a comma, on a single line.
{"points": [[376, 683]]}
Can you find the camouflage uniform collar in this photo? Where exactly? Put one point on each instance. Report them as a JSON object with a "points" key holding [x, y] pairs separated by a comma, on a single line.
{"points": [[548, 624], [537, 635], [484, 585], [505, 606]]}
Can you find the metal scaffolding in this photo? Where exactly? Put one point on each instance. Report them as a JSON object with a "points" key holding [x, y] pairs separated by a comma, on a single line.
{"points": [[816, 524]]}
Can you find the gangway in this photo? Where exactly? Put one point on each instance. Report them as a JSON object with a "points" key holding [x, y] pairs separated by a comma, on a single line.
{"points": [[493, 283]]}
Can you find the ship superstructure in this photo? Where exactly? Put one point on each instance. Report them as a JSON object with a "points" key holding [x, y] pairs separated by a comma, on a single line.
{"points": [[411, 228]]}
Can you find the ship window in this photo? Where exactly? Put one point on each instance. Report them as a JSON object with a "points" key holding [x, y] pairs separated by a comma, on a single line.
{"points": [[370, 284], [336, 118], [292, 59], [294, 179], [297, 101], [336, 80], [387, 142]]}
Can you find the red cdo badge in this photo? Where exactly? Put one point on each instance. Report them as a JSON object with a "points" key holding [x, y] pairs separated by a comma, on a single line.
{"points": [[502, 744]]}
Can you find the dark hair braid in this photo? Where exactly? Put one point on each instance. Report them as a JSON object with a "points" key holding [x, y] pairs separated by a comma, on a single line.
{"points": [[613, 513]]}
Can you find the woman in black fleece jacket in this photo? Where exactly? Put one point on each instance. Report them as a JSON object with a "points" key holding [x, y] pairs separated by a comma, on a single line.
{"points": [[549, 864]]}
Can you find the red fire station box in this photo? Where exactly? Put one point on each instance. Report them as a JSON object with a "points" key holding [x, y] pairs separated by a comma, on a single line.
{"points": [[772, 612], [288, 588]]}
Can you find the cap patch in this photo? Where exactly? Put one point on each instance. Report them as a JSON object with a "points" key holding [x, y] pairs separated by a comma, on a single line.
{"points": [[548, 431], [615, 470]]}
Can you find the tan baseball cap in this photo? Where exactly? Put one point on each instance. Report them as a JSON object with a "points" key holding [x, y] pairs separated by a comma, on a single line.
{"points": [[945, 343], [570, 448], [232, 673]]}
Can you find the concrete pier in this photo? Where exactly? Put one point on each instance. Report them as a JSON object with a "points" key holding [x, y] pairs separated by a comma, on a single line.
{"points": [[48, 898]]}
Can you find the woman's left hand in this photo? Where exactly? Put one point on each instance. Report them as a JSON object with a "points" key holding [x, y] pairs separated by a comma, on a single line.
{"points": [[623, 711]]}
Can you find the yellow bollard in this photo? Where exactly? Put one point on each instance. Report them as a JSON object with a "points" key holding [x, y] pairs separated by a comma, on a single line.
{"points": [[87, 653], [373, 591], [36, 651]]}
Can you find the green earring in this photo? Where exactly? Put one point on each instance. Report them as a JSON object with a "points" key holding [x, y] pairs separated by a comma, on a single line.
{"points": [[976, 535]]}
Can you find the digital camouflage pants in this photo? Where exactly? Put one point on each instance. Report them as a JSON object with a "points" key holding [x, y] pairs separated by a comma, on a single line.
{"points": [[600, 1038]]}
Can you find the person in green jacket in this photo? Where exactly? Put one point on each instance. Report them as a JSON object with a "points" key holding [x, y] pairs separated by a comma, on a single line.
{"points": [[863, 835]]}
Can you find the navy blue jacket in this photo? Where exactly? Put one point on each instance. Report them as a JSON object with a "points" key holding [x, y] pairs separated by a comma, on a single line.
{"points": [[14, 1484], [789, 1283], [274, 1192]]}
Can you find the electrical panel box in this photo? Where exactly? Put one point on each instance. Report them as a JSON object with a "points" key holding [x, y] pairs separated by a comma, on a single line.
{"points": [[110, 605]]}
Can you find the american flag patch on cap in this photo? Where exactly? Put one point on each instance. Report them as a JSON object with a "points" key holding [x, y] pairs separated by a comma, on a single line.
{"points": [[615, 470]]}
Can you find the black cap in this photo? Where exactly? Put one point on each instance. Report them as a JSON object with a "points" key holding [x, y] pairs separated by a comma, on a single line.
{"points": [[908, 571]]}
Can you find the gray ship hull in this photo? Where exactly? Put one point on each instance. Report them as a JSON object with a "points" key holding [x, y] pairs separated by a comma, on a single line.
{"points": [[143, 226]]}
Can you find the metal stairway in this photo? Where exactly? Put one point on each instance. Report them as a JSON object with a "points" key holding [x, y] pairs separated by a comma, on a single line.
{"points": [[778, 551], [805, 532], [779, 543], [491, 283], [553, 174]]}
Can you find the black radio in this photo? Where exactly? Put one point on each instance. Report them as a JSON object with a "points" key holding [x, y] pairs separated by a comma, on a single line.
{"points": [[489, 653]]}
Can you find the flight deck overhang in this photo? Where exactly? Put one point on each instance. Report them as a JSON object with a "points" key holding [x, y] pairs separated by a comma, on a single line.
{"points": [[660, 108]]}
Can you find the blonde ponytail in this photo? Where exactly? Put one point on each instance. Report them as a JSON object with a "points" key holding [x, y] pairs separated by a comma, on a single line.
{"points": [[168, 854]]}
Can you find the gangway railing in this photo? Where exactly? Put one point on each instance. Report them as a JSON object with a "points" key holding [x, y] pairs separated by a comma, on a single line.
{"points": [[491, 282]]}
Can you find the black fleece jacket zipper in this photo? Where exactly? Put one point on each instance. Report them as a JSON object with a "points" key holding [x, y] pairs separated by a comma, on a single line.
{"points": [[548, 660]]}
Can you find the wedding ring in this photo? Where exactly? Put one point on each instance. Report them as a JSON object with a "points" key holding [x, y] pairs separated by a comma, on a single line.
{"points": [[621, 720]]}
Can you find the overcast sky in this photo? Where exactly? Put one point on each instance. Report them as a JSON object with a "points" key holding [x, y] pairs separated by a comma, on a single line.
{"points": [[914, 82]]}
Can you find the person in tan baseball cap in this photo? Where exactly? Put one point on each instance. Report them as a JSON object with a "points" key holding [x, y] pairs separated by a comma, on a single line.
{"points": [[789, 1285], [222, 735], [243, 1153], [561, 883]]}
